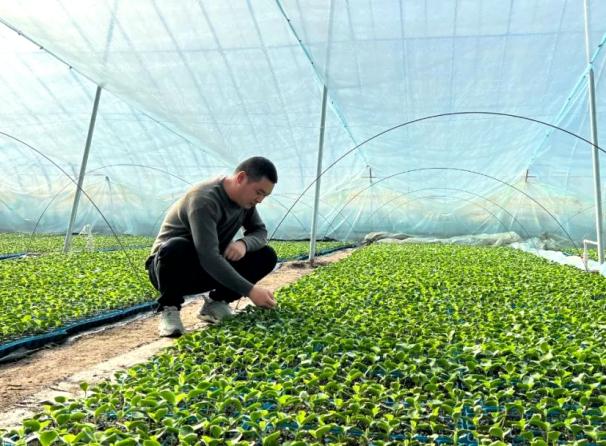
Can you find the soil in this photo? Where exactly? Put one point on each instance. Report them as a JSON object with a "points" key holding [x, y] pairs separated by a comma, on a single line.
{"points": [[97, 355]]}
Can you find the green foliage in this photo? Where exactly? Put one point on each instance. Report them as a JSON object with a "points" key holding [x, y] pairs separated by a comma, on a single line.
{"points": [[17, 242], [38, 294], [592, 253], [42, 293], [290, 250], [47, 243], [393, 345]]}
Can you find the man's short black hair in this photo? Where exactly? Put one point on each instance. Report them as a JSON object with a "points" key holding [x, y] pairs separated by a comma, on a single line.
{"points": [[257, 168]]}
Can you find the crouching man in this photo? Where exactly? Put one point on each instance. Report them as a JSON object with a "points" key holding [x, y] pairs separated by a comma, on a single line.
{"points": [[195, 251]]}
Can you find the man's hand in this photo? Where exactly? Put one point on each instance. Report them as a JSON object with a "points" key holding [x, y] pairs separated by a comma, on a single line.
{"points": [[235, 251], [262, 297]]}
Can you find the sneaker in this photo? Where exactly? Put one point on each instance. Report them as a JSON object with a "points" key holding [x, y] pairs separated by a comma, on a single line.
{"points": [[215, 311], [170, 323]]}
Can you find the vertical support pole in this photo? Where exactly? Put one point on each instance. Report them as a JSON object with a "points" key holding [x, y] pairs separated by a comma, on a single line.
{"points": [[89, 138], [594, 139], [370, 192], [314, 222]]}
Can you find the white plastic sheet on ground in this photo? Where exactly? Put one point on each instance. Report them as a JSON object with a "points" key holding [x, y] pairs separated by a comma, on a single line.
{"points": [[559, 257], [544, 247]]}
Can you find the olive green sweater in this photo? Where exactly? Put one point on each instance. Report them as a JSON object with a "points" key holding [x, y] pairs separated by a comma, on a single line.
{"points": [[207, 216]]}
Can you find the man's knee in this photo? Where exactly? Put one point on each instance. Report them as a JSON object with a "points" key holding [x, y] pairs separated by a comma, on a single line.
{"points": [[176, 247], [269, 257]]}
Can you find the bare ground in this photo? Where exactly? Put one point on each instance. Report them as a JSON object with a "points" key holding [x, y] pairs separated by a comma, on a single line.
{"points": [[94, 356]]}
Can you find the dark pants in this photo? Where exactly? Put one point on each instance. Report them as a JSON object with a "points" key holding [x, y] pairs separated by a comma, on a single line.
{"points": [[175, 271]]}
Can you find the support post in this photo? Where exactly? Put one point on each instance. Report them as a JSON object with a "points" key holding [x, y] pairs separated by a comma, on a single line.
{"points": [[594, 139], [314, 221], [89, 138]]}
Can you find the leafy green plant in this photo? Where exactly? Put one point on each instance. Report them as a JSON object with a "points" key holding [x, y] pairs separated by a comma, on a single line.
{"points": [[17, 242], [38, 294], [289, 250], [592, 253], [45, 292], [393, 345]]}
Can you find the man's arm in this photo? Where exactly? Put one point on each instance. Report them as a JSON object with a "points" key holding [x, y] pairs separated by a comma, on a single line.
{"points": [[203, 225], [255, 232]]}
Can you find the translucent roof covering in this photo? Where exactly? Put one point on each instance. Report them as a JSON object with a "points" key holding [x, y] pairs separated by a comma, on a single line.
{"points": [[190, 88]]}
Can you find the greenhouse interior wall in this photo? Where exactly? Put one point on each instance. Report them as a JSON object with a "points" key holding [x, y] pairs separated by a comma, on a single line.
{"points": [[487, 106]]}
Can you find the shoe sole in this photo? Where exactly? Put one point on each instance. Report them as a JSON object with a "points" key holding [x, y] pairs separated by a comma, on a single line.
{"points": [[174, 334], [208, 318]]}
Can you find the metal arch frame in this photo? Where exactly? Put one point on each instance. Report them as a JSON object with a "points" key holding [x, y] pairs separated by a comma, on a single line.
{"points": [[283, 206], [164, 211], [415, 199], [475, 173], [309, 206], [33, 233], [494, 203], [597, 191], [145, 167], [326, 169], [46, 157], [158, 219], [404, 194], [425, 119]]}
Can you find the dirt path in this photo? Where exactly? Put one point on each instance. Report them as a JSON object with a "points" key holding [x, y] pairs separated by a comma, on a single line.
{"points": [[95, 356]]}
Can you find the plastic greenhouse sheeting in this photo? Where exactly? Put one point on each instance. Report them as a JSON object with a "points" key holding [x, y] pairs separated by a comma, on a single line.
{"points": [[192, 87]]}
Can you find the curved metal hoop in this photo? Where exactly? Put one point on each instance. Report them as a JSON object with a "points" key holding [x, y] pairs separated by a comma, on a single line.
{"points": [[510, 115], [403, 195]]}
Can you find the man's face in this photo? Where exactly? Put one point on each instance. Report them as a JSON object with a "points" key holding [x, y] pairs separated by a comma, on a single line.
{"points": [[254, 192]]}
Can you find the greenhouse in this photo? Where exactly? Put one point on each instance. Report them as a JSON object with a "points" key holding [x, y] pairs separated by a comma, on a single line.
{"points": [[436, 221]]}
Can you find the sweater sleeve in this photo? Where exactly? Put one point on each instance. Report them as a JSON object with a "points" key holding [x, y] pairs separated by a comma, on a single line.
{"points": [[255, 233], [203, 224]]}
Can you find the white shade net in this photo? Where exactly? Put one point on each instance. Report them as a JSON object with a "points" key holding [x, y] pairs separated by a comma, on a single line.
{"points": [[192, 87]]}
